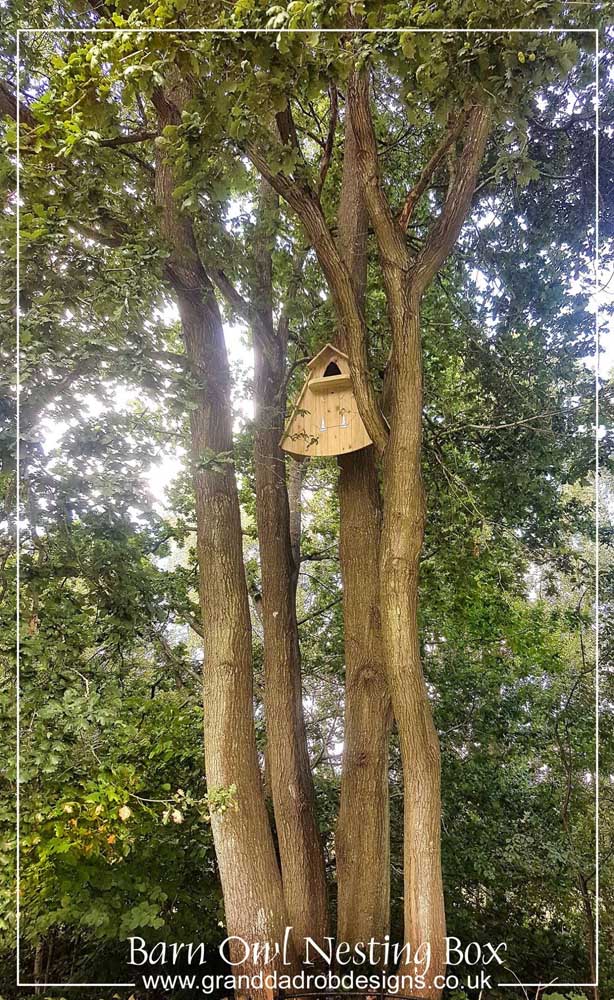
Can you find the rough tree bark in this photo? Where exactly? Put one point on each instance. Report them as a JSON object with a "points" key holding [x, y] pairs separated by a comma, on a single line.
{"points": [[398, 441], [251, 883], [39, 965], [306, 203], [401, 545], [362, 848], [300, 847], [405, 281], [296, 474]]}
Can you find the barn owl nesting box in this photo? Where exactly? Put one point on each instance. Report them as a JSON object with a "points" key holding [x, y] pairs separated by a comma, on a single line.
{"points": [[325, 418]]}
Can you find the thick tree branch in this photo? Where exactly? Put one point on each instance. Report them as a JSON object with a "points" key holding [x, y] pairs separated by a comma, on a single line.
{"points": [[330, 138], [307, 206], [444, 232], [287, 128], [128, 139], [232, 295], [244, 309], [91, 233], [413, 197], [390, 237], [8, 105], [168, 111]]}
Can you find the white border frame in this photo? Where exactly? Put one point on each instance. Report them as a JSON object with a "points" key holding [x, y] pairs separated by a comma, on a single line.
{"points": [[277, 31]]}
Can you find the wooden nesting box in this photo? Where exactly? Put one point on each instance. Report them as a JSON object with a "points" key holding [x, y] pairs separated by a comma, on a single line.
{"points": [[325, 418]]}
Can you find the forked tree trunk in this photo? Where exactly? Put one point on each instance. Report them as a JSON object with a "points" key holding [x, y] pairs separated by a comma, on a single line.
{"points": [[362, 848], [300, 847], [406, 277], [249, 873]]}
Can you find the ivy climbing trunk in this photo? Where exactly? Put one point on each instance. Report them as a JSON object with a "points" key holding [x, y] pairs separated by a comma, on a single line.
{"points": [[362, 848], [251, 883], [300, 847]]}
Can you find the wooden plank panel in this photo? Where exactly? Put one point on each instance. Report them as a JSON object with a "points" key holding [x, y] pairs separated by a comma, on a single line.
{"points": [[305, 435]]}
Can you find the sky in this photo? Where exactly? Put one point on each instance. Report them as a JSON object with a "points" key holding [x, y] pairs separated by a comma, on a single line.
{"points": [[161, 475], [239, 353]]}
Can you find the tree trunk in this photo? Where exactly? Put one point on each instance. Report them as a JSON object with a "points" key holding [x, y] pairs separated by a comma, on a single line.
{"points": [[39, 965], [249, 873], [405, 279], [362, 842], [362, 848], [296, 474], [589, 917], [398, 441], [401, 544], [300, 847]]}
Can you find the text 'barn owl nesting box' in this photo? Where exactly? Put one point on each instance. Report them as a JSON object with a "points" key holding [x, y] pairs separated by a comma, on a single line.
{"points": [[325, 419]]}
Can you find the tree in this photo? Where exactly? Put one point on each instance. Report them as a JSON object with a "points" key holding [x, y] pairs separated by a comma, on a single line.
{"points": [[190, 165], [397, 434]]}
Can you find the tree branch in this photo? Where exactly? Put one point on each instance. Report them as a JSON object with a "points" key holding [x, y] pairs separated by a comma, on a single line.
{"points": [[413, 197], [147, 167], [129, 139], [306, 204], [319, 611], [444, 232], [330, 138], [245, 309], [8, 106], [193, 623], [287, 128], [232, 295], [390, 237]]}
